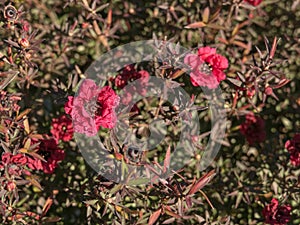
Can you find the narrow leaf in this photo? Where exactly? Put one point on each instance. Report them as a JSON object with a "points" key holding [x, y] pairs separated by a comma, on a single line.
{"points": [[236, 82], [8, 80], [167, 160], [153, 218], [196, 25], [202, 182], [205, 15]]}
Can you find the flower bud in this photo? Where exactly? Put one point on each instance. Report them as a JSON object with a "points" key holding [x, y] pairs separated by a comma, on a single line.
{"points": [[24, 42]]}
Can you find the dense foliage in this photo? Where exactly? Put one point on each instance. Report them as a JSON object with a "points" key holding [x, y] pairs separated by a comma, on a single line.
{"points": [[249, 49]]}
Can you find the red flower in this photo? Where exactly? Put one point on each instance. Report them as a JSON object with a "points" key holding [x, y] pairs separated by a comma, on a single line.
{"points": [[253, 129], [207, 67], [253, 2], [51, 153], [19, 159], [293, 146], [6, 158], [62, 128], [92, 107], [129, 74], [34, 164], [275, 214]]}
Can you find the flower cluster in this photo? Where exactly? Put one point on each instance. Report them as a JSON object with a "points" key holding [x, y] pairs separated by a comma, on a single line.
{"points": [[253, 129], [20, 163], [207, 68], [293, 146], [276, 214], [92, 108]]}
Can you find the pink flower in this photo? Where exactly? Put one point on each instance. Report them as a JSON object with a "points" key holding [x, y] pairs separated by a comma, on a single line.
{"points": [[51, 153], [253, 2], [62, 128], [253, 129], [275, 214], [92, 107], [293, 146], [207, 67]]}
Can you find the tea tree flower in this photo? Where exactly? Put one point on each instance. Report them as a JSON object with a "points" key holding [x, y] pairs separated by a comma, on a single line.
{"points": [[207, 68], [276, 214], [293, 146], [253, 129], [62, 128], [92, 107]]}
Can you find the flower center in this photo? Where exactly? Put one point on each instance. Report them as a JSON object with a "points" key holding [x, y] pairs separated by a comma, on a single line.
{"points": [[205, 68], [93, 107]]}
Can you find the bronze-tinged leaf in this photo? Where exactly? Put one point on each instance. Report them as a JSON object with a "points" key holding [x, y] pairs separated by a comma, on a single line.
{"points": [[96, 28], [205, 15], [27, 143], [196, 25], [202, 182], [170, 213], [34, 182], [51, 219], [188, 201], [240, 44], [236, 82], [109, 18], [86, 4], [281, 83], [215, 15], [215, 26], [47, 206], [167, 159], [8, 80], [177, 74], [23, 114], [21, 182], [169, 221], [153, 218], [3, 129], [274, 46], [26, 125]]}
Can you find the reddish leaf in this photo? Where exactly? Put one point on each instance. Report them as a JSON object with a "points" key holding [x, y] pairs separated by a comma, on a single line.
{"points": [[170, 213], [47, 206], [202, 182], [177, 74], [167, 160], [154, 217], [51, 219], [188, 201], [196, 25], [23, 114]]}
